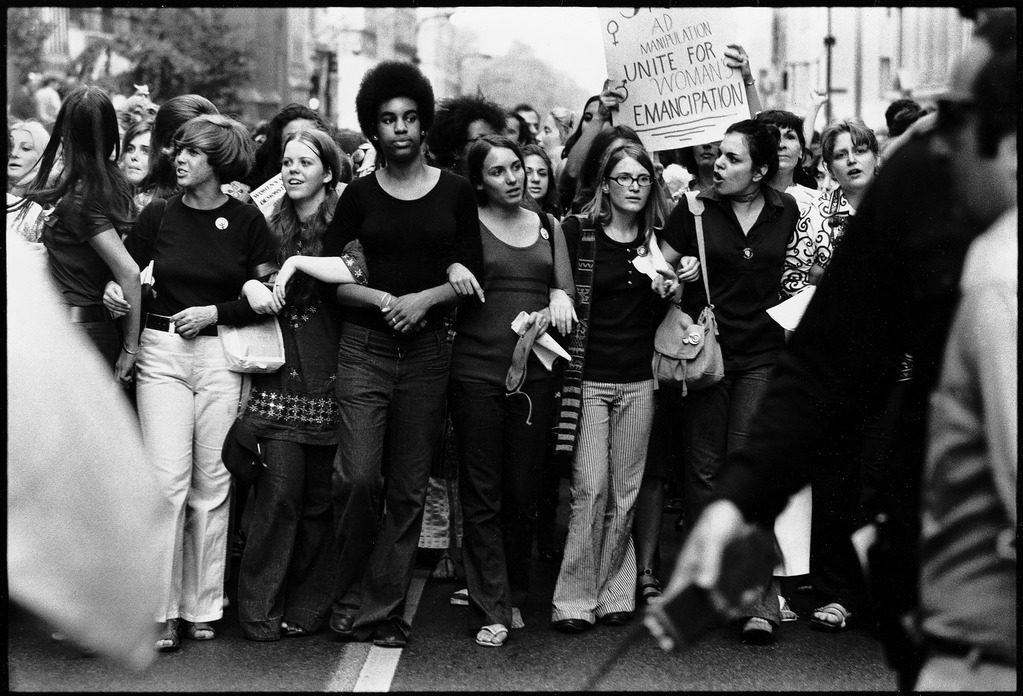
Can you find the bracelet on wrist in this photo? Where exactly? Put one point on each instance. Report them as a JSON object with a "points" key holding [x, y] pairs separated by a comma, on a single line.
{"points": [[125, 348], [385, 301], [750, 83]]}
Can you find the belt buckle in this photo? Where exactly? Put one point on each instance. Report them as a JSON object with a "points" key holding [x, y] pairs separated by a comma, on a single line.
{"points": [[168, 323]]}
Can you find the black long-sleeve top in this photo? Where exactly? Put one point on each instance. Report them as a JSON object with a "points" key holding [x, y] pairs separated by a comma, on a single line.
{"points": [[408, 244]]}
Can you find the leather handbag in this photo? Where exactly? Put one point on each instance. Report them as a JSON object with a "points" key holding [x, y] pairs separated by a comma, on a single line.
{"points": [[686, 352]]}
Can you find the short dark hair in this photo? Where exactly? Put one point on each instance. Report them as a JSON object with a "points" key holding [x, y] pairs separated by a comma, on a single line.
{"points": [[525, 137], [762, 141], [570, 143], [268, 154], [784, 119], [900, 114], [526, 107], [478, 152], [389, 80], [171, 115], [226, 143], [451, 126]]}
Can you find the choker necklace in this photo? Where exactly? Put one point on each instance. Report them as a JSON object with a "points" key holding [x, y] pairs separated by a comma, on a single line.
{"points": [[747, 198]]}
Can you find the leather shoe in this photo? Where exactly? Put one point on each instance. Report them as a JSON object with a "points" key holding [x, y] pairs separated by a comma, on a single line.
{"points": [[341, 624], [390, 634], [572, 625], [616, 618]]}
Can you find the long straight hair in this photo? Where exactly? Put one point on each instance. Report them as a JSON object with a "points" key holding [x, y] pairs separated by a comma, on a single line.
{"points": [[599, 210], [85, 138]]}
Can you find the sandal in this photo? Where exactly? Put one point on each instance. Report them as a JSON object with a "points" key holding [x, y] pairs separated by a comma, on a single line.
{"points": [[648, 584], [459, 598], [492, 636], [169, 639], [200, 631], [786, 611], [292, 630], [757, 631], [831, 617]]}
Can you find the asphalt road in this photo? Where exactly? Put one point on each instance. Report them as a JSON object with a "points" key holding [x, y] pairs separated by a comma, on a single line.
{"points": [[443, 657]]}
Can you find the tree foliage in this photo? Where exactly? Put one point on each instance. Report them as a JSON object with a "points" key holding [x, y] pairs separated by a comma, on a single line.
{"points": [[26, 34], [185, 50]]}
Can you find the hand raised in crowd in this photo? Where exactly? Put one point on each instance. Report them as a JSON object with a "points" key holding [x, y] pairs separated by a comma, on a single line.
{"points": [[736, 59], [562, 311], [609, 100], [261, 298], [818, 97], [113, 300], [189, 322], [464, 282]]}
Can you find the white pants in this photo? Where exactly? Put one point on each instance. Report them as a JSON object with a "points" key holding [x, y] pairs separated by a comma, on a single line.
{"points": [[187, 400]]}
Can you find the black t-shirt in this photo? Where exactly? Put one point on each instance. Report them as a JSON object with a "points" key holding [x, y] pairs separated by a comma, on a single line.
{"points": [[203, 257], [408, 244], [744, 271], [78, 270], [624, 311]]}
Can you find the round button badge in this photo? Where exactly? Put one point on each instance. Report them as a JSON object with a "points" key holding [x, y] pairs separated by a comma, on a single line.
{"points": [[221, 223], [543, 233], [747, 253]]}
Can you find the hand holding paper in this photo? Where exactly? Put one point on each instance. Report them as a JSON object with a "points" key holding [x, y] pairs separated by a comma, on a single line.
{"points": [[545, 347]]}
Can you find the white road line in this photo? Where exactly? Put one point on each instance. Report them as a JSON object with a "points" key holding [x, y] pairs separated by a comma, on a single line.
{"points": [[381, 663]]}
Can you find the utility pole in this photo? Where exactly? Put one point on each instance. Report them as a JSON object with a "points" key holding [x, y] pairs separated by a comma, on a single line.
{"points": [[829, 42]]}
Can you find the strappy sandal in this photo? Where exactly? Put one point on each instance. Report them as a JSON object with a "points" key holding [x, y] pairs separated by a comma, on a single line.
{"points": [[169, 640], [492, 636], [839, 618], [757, 631], [292, 630], [649, 585], [200, 631]]}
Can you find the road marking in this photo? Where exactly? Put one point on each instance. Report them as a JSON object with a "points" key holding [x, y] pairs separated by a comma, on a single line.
{"points": [[381, 663]]}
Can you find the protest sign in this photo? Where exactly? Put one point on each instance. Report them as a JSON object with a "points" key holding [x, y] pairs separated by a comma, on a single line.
{"points": [[268, 194], [670, 66]]}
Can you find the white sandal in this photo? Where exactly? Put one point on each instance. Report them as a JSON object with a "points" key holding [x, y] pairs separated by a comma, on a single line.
{"points": [[492, 636]]}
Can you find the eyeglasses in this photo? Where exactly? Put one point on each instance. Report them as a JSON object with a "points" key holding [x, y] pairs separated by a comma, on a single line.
{"points": [[626, 180]]}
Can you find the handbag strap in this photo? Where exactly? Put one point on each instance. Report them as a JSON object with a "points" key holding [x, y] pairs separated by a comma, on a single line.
{"points": [[696, 208]]}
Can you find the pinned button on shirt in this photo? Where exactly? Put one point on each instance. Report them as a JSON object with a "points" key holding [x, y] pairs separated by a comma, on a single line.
{"points": [[747, 253], [221, 223]]}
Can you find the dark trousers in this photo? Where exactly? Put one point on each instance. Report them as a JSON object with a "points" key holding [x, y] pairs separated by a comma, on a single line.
{"points": [[501, 462], [392, 393], [286, 569], [835, 484], [715, 421]]}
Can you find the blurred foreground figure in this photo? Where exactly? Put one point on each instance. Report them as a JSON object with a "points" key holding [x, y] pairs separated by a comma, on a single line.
{"points": [[84, 528], [893, 288]]}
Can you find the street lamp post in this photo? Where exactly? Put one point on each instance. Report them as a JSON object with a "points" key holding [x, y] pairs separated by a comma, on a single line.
{"points": [[829, 43]]}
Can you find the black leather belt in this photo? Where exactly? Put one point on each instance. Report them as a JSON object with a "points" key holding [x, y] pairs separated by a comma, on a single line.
{"points": [[81, 315], [162, 323], [978, 653]]}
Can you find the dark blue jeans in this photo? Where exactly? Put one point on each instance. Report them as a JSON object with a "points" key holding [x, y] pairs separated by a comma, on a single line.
{"points": [[392, 393], [286, 569], [715, 421], [501, 462]]}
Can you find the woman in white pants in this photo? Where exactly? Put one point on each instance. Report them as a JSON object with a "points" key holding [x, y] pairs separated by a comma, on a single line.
{"points": [[204, 245]]}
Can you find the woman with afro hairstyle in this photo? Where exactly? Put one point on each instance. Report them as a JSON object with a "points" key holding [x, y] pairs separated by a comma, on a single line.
{"points": [[460, 121], [415, 223]]}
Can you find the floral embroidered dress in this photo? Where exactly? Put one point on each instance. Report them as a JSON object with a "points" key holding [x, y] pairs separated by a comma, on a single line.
{"points": [[818, 231], [298, 403]]}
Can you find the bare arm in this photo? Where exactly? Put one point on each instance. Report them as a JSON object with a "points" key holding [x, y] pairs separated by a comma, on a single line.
{"points": [[736, 59], [126, 272]]}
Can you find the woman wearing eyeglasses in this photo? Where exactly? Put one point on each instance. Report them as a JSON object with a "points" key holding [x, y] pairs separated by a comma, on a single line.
{"points": [[608, 392]]}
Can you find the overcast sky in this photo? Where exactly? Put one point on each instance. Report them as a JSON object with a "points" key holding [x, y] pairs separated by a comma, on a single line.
{"points": [[570, 39]]}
